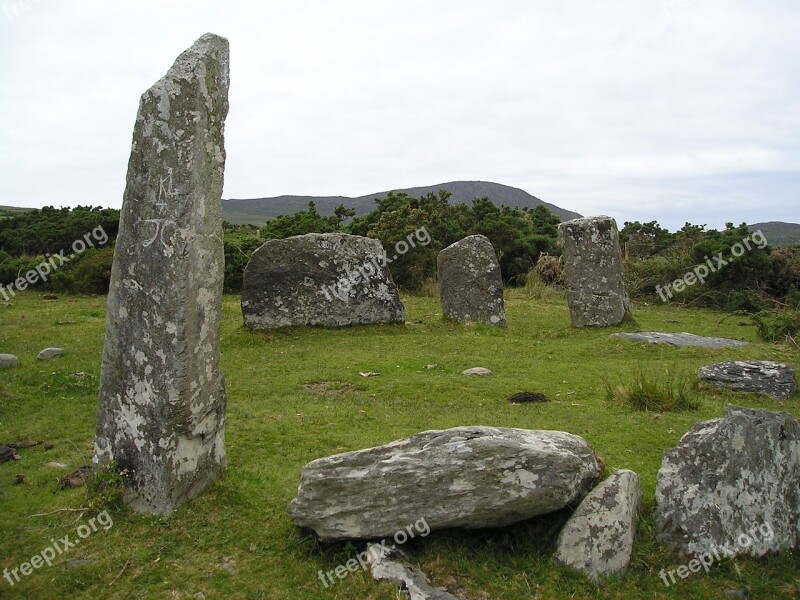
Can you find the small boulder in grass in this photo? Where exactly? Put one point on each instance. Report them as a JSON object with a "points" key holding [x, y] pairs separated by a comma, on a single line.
{"points": [[50, 353], [8, 361], [528, 397], [477, 372]]}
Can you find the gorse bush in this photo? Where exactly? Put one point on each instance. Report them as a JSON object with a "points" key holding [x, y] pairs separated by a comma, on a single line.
{"points": [[758, 280], [778, 326]]}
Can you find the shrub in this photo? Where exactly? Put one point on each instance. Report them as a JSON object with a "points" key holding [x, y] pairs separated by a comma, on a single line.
{"points": [[785, 264], [778, 326], [549, 270]]}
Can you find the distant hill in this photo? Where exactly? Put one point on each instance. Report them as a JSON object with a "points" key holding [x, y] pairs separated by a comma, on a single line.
{"points": [[259, 210], [7, 212], [779, 233]]}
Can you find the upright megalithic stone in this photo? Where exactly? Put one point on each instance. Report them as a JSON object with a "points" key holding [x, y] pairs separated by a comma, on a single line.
{"points": [[594, 271], [161, 408], [470, 282]]}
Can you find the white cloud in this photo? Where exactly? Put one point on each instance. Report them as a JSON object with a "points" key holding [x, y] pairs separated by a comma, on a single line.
{"points": [[672, 110]]}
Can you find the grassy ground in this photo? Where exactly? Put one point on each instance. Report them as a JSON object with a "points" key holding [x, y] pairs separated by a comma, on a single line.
{"points": [[236, 541]]}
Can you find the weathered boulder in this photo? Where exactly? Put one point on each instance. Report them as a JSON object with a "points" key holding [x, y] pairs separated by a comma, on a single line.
{"points": [[8, 361], [470, 284], [161, 406], [732, 477], [597, 540], [469, 477], [757, 376], [50, 353], [593, 270], [323, 279], [680, 340]]}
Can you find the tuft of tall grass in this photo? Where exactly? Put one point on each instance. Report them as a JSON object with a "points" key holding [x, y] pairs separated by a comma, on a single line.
{"points": [[535, 288], [655, 390], [429, 288]]}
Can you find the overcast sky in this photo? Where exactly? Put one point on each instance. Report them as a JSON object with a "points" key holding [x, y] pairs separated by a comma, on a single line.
{"points": [[673, 110]]}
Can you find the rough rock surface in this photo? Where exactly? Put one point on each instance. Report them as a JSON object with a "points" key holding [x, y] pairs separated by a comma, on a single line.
{"points": [[323, 279], [411, 580], [477, 372], [470, 284], [758, 376], [49, 353], [680, 339], [469, 477], [8, 361], [161, 407], [594, 273], [598, 538], [732, 477]]}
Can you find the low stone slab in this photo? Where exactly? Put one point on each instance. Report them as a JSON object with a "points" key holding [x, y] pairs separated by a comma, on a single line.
{"points": [[732, 485], [50, 353], [598, 538], [8, 361], [680, 339], [756, 376], [469, 477], [409, 579], [319, 279], [470, 283]]}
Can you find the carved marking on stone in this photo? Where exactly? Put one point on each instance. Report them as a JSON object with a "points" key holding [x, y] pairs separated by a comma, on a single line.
{"points": [[161, 227]]}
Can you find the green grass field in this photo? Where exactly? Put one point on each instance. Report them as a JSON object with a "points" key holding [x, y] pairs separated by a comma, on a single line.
{"points": [[236, 541]]}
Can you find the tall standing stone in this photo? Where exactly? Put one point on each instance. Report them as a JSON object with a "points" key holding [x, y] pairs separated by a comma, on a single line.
{"points": [[161, 407], [470, 284], [594, 272]]}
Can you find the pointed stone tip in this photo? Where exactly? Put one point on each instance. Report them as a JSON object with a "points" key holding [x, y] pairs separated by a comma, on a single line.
{"points": [[212, 38]]}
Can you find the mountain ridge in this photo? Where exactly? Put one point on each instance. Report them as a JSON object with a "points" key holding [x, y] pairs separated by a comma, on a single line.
{"points": [[257, 210], [778, 233]]}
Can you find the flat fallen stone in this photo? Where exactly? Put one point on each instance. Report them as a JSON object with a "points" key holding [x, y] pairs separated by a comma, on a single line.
{"points": [[477, 372], [467, 477], [8, 361], [680, 339], [319, 279], [49, 353], [470, 283], [597, 540], [732, 485], [755, 376], [409, 579], [162, 401]]}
